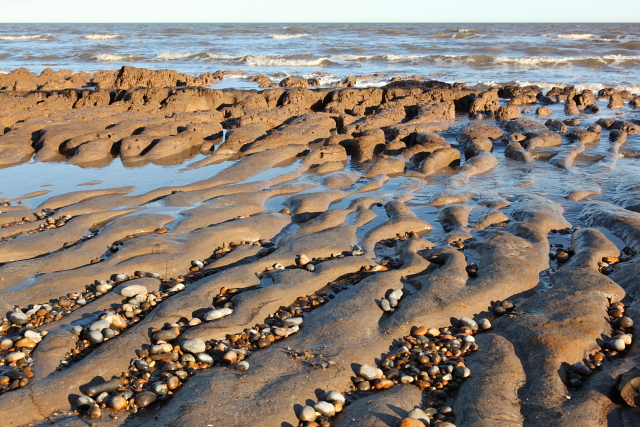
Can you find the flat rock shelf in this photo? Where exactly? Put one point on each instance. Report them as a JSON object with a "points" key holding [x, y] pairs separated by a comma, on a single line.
{"points": [[417, 254]]}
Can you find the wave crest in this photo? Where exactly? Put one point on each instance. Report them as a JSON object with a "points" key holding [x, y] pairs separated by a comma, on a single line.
{"points": [[287, 36], [29, 37], [102, 36]]}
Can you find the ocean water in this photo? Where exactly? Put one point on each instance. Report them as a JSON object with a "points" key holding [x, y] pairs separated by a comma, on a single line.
{"points": [[585, 55]]}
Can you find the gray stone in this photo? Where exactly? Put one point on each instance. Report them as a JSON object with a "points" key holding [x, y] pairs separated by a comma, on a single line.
{"points": [[105, 387], [462, 372], [334, 396], [397, 294], [95, 337], [369, 372], [307, 413], [84, 402], [133, 290], [165, 335], [18, 318], [325, 408], [470, 323], [99, 325], [145, 398], [217, 314], [194, 345]]}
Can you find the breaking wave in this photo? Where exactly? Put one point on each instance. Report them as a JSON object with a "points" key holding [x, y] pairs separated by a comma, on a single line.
{"points": [[102, 36], [287, 36]]}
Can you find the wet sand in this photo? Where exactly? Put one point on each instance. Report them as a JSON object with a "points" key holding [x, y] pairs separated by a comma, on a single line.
{"points": [[418, 253]]}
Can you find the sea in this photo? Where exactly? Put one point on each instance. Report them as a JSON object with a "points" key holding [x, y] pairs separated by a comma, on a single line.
{"points": [[585, 55]]}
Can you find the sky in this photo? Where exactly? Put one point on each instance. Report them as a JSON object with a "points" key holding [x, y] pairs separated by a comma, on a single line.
{"points": [[13, 11]]}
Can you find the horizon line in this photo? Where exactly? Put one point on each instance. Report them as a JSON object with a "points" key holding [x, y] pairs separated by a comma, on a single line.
{"points": [[321, 22]]}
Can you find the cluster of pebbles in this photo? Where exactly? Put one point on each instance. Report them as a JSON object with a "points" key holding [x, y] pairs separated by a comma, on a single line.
{"points": [[390, 301], [48, 224], [612, 348], [163, 366], [15, 359], [429, 358], [21, 338], [303, 261], [115, 321]]}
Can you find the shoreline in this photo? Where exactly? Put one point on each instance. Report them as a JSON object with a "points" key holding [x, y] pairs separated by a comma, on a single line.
{"points": [[425, 249]]}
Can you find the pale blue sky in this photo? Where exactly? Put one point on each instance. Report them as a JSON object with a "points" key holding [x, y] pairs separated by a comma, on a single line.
{"points": [[319, 11]]}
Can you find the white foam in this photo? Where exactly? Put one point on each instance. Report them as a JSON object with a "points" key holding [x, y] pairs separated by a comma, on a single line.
{"points": [[465, 30], [29, 37], [287, 36], [595, 87], [270, 61], [393, 58], [108, 57], [167, 56], [349, 58], [571, 36], [102, 36], [263, 60]]}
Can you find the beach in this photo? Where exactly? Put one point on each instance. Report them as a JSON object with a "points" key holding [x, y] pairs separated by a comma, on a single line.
{"points": [[178, 248]]}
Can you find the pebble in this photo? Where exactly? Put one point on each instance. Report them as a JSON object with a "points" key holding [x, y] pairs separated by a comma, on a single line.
{"points": [[194, 345], [25, 342], [6, 344], [95, 337], [624, 322], [325, 408], [626, 338], [94, 412], [369, 372], [205, 358], [145, 398], [396, 293], [462, 372], [364, 386], [307, 413], [119, 278], [177, 288], [242, 366], [418, 414], [99, 325], [292, 321], [107, 386], [133, 290], [83, 402], [230, 357], [18, 318], [160, 389], [117, 402], [385, 305], [406, 379], [617, 344], [434, 332], [334, 396], [302, 260], [484, 324], [165, 335], [581, 369], [15, 356], [173, 383], [217, 314], [76, 330], [393, 302], [469, 323], [411, 422], [197, 263]]}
